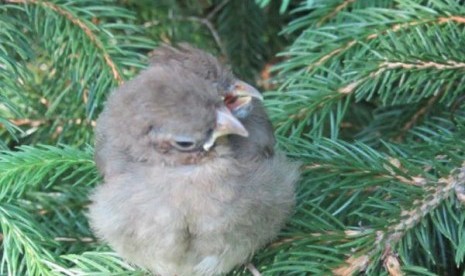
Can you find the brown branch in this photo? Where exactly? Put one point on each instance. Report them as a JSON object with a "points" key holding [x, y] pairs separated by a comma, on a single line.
{"points": [[207, 23], [216, 9], [352, 265], [420, 113], [333, 13], [351, 43], [392, 265], [76, 21], [349, 88], [390, 175], [30, 122], [68, 239], [448, 65], [382, 67], [38, 122], [435, 195], [454, 18], [329, 55], [346, 236]]}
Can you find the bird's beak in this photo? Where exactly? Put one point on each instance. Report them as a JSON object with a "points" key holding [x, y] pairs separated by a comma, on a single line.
{"points": [[226, 124], [240, 96], [243, 89]]}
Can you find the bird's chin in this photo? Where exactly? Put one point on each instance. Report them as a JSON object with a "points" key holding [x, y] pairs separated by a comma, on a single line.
{"points": [[186, 158], [192, 158]]}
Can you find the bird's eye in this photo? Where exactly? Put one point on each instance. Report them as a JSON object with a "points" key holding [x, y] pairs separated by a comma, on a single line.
{"points": [[184, 144]]}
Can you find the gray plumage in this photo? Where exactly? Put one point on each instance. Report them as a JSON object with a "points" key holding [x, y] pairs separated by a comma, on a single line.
{"points": [[166, 203]]}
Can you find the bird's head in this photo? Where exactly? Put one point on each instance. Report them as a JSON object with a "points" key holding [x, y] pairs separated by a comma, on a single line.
{"points": [[179, 114], [236, 94]]}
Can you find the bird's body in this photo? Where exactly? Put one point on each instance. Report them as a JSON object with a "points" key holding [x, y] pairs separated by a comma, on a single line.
{"points": [[175, 200]]}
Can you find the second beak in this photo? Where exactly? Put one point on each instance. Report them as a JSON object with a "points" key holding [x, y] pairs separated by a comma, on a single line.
{"points": [[226, 124], [239, 98]]}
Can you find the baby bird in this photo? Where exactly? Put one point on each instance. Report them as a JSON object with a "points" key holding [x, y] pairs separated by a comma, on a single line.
{"points": [[192, 182]]}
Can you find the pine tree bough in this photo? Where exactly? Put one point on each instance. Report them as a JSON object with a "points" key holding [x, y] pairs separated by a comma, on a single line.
{"points": [[393, 28], [435, 194], [337, 9], [94, 38]]}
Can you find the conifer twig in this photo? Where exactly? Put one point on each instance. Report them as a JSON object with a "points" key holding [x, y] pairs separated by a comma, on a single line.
{"points": [[377, 33], [335, 11], [435, 194], [207, 23], [76, 21]]}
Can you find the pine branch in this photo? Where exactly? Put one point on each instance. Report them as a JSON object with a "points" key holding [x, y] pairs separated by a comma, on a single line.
{"points": [[207, 23], [389, 43], [38, 168], [243, 39], [75, 74], [95, 263], [334, 11], [83, 26], [24, 243]]}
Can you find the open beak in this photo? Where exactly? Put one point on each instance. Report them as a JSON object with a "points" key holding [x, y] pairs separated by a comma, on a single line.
{"points": [[226, 124], [239, 98]]}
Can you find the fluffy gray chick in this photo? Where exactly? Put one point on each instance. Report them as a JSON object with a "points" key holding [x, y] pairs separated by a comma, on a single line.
{"points": [[192, 184]]}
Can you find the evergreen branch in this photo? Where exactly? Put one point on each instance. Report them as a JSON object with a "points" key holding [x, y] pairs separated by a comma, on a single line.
{"points": [[449, 65], [390, 65], [63, 210], [28, 168], [354, 42], [334, 12], [338, 157], [39, 122], [79, 239], [435, 195], [313, 12], [95, 263], [460, 193], [243, 39], [79, 49], [83, 26], [351, 40], [207, 23], [454, 18], [377, 33], [24, 243], [282, 8], [421, 112], [216, 9]]}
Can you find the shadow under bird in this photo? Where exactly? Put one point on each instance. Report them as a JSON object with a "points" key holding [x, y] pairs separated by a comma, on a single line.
{"points": [[193, 184]]}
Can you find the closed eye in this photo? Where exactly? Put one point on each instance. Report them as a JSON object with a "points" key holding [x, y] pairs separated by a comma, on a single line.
{"points": [[184, 144]]}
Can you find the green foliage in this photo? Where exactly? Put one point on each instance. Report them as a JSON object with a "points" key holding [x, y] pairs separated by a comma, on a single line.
{"points": [[43, 193], [59, 59], [368, 96]]}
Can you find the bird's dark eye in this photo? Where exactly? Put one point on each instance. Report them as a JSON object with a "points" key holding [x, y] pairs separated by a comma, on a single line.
{"points": [[184, 144]]}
